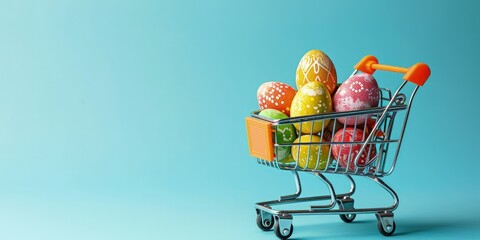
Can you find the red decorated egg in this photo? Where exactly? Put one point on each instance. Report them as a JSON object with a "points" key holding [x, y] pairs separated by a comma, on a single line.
{"points": [[346, 152], [276, 95], [357, 93]]}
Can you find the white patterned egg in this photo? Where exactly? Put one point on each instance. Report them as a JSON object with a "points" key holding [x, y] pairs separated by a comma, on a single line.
{"points": [[312, 99], [315, 65], [357, 93]]}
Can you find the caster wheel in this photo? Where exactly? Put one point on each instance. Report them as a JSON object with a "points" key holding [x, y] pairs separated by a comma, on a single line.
{"points": [[282, 234], [390, 229], [266, 224], [347, 203], [348, 218]]}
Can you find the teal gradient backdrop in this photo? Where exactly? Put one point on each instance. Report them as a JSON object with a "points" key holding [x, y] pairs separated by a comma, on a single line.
{"points": [[125, 119]]}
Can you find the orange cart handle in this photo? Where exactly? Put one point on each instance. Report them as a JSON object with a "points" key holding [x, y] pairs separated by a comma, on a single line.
{"points": [[418, 73]]}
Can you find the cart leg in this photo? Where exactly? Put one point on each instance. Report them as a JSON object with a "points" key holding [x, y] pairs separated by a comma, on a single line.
{"points": [[386, 224], [299, 188], [333, 196], [389, 190], [283, 227], [353, 186]]}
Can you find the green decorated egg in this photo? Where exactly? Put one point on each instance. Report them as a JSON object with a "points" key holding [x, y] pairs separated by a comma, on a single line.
{"points": [[288, 162], [285, 133]]}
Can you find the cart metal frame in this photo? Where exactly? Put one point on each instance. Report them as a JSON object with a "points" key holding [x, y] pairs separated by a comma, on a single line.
{"points": [[382, 164]]}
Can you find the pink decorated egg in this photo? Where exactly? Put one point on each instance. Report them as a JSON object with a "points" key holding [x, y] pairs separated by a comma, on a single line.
{"points": [[343, 152], [276, 95], [357, 93]]}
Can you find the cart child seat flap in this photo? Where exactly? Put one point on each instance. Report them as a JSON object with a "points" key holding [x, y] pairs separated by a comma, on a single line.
{"points": [[259, 135]]}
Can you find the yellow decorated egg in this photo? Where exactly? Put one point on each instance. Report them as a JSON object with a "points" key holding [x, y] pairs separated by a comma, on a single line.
{"points": [[311, 157], [311, 99], [315, 65]]}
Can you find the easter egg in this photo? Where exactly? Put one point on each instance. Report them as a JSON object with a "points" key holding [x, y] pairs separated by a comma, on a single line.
{"points": [[311, 99], [285, 133], [332, 127], [343, 152], [315, 65], [312, 157], [276, 95], [358, 92], [289, 161]]}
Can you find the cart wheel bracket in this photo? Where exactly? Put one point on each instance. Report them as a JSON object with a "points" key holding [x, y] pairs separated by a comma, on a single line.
{"points": [[386, 224], [346, 204], [283, 225], [266, 218]]}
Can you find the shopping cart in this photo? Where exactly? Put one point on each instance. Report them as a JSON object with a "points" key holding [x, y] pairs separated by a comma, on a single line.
{"points": [[387, 126]]}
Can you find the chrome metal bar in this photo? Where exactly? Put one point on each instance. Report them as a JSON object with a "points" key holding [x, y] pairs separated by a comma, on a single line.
{"points": [[333, 196], [323, 211], [307, 161], [349, 159], [354, 72], [388, 134], [299, 200], [331, 115], [330, 159], [341, 147], [298, 148], [389, 190], [320, 149], [275, 163], [382, 117], [353, 186], [336, 143], [407, 112], [298, 185], [265, 206]]}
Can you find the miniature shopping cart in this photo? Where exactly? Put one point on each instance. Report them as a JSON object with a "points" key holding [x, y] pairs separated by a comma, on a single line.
{"points": [[388, 121]]}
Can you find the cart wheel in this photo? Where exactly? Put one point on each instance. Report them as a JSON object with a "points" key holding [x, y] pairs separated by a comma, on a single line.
{"points": [[347, 203], [348, 218], [266, 224], [390, 229], [282, 234]]}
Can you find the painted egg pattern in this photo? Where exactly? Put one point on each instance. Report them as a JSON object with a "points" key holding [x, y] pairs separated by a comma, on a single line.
{"points": [[312, 157], [276, 95], [343, 152], [311, 99], [285, 133], [315, 65], [358, 92]]}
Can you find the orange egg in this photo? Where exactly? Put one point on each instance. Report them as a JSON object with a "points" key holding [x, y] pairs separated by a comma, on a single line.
{"points": [[315, 65], [276, 95]]}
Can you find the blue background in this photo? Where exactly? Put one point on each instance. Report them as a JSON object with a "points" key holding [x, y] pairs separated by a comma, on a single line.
{"points": [[125, 119]]}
